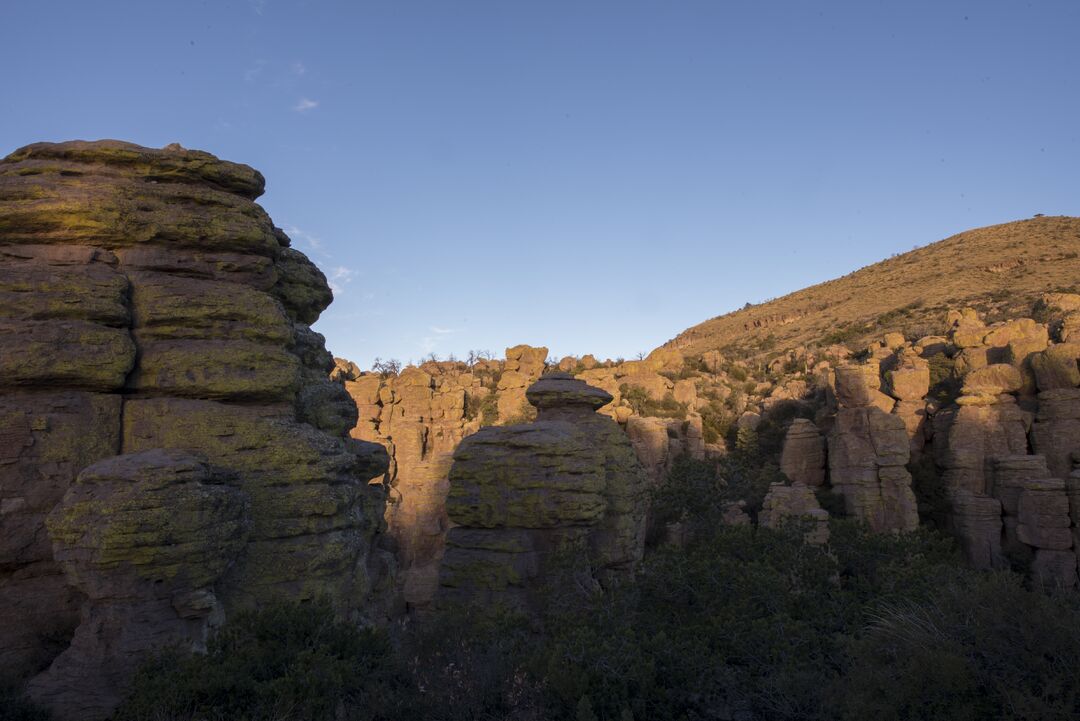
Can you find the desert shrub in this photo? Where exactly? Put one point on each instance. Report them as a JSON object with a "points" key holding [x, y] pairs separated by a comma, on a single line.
{"points": [[286, 661], [692, 486], [742, 622], [468, 662], [774, 424], [945, 383], [696, 491], [737, 372], [15, 707], [639, 401], [388, 367], [668, 407], [980, 647], [844, 334], [526, 413], [634, 396], [746, 444], [489, 409], [716, 421]]}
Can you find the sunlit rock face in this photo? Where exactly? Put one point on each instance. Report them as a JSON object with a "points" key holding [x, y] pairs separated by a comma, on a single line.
{"points": [[420, 415], [148, 303], [868, 450], [564, 488]]}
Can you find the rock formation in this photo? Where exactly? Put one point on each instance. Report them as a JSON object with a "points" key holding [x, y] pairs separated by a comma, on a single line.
{"points": [[420, 415], [147, 303], [797, 501], [145, 536], [802, 459], [566, 484], [868, 451]]}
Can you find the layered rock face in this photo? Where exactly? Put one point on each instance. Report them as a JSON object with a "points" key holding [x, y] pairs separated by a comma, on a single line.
{"points": [[146, 303], [869, 449], [802, 459], [568, 483], [145, 536], [420, 415], [796, 501], [420, 418]]}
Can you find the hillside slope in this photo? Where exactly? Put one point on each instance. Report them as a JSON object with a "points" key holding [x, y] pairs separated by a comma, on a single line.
{"points": [[1000, 269]]}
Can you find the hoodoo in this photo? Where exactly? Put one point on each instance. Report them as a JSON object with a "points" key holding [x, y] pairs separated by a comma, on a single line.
{"points": [[567, 483], [171, 447]]}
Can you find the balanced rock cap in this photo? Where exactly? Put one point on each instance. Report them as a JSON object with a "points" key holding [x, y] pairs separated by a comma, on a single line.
{"points": [[559, 390]]}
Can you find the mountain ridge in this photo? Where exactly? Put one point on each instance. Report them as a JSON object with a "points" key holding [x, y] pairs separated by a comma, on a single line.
{"points": [[1000, 269]]}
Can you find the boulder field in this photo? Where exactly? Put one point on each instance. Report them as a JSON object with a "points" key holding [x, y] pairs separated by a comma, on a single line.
{"points": [[171, 447]]}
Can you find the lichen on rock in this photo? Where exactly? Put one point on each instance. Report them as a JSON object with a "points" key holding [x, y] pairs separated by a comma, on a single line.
{"points": [[149, 306], [523, 495]]}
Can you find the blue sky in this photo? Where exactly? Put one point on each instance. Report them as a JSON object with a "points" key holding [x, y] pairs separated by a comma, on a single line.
{"points": [[593, 176]]}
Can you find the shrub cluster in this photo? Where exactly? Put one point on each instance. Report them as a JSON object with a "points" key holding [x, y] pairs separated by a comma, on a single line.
{"points": [[736, 623]]}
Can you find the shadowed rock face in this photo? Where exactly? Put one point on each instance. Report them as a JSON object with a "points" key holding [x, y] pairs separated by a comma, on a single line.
{"points": [[568, 482], [147, 303]]}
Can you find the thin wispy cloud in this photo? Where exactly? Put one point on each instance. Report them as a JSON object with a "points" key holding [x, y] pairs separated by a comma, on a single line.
{"points": [[310, 242], [339, 277], [305, 105], [441, 331], [257, 6], [298, 68]]}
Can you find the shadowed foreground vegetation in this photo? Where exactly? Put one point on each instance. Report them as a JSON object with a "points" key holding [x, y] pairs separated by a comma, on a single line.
{"points": [[740, 623]]}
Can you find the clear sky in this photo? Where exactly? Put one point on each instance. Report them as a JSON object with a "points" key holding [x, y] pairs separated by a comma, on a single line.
{"points": [[592, 176]]}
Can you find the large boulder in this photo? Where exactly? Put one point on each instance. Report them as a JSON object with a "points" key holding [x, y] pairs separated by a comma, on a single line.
{"points": [[147, 303], [145, 537]]}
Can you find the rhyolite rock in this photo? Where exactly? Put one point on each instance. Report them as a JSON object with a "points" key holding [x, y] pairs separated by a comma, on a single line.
{"points": [[802, 458], [567, 485], [148, 304], [868, 452], [145, 536], [797, 501]]}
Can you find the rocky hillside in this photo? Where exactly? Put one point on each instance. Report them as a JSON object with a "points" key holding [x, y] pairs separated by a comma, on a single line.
{"points": [[1000, 270]]}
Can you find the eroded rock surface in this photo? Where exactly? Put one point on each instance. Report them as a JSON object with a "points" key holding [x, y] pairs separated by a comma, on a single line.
{"points": [[147, 303], [868, 452], [567, 484]]}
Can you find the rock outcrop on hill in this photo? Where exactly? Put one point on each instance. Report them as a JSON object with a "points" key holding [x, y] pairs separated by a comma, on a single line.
{"points": [[802, 458], [566, 486], [1005, 267], [869, 450], [165, 415]]}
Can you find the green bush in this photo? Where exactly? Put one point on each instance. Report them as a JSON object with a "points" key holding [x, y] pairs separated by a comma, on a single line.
{"points": [[945, 383], [643, 405], [287, 661], [716, 421], [14, 707], [978, 649], [489, 409]]}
